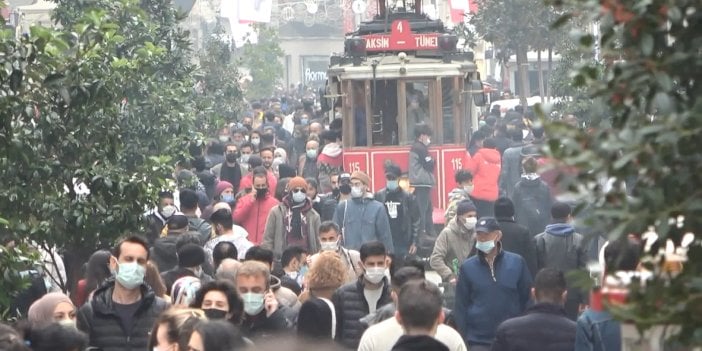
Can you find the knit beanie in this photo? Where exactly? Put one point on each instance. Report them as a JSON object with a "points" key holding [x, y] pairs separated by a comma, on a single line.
{"points": [[41, 312], [465, 206], [361, 176], [222, 186], [297, 182]]}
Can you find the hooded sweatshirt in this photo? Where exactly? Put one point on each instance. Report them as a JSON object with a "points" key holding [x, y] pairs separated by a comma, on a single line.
{"points": [[485, 167]]}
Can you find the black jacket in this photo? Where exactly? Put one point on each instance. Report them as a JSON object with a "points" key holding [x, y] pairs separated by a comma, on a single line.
{"points": [[532, 204], [314, 321], [260, 326], [544, 327], [99, 320], [325, 207], [163, 253], [419, 343], [516, 238], [410, 212], [351, 305]]}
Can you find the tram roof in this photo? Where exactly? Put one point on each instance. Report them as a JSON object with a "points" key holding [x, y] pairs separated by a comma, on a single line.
{"points": [[388, 67]]}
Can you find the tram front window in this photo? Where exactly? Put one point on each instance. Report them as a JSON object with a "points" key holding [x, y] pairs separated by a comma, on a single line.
{"points": [[417, 100]]}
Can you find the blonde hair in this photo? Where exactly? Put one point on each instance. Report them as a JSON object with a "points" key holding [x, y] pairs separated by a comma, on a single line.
{"points": [[327, 272], [253, 269]]}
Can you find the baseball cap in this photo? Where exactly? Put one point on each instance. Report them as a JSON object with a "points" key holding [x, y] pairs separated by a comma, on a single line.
{"points": [[487, 225]]}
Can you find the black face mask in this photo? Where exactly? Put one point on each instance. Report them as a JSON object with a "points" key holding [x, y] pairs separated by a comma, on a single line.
{"points": [[213, 313], [260, 193], [231, 158], [345, 189]]}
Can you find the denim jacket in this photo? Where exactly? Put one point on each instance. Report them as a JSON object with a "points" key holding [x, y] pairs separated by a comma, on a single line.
{"points": [[598, 331]]}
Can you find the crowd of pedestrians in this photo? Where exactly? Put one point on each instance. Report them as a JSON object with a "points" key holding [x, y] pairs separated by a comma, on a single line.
{"points": [[266, 237]]}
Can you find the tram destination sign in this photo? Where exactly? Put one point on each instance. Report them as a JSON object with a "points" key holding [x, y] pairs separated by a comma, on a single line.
{"points": [[401, 38]]}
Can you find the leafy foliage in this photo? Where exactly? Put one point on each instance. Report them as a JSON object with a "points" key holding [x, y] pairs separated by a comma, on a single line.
{"points": [[650, 143], [218, 89], [93, 117], [262, 59]]}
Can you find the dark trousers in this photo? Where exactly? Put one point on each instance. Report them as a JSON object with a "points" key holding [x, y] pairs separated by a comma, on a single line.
{"points": [[485, 208], [423, 195]]}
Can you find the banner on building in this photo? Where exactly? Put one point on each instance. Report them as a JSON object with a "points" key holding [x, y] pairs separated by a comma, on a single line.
{"points": [[255, 10], [314, 70]]}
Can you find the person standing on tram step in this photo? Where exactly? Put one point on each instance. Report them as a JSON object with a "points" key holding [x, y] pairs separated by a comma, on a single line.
{"points": [[485, 167], [403, 213], [493, 286], [421, 175], [363, 219], [123, 311]]}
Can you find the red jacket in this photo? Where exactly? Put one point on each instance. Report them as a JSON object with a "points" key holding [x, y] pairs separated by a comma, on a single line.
{"points": [[485, 167], [252, 214]]}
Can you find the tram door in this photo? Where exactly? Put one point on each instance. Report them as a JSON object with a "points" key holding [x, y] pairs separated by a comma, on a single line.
{"points": [[385, 112]]}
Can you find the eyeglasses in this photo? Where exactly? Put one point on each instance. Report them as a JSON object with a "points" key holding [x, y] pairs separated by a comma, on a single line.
{"points": [[298, 190]]}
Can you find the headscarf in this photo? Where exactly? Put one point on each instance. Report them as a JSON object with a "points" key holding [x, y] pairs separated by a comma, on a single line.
{"points": [[41, 312]]}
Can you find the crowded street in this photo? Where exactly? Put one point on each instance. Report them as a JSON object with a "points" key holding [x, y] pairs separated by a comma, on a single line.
{"points": [[369, 175]]}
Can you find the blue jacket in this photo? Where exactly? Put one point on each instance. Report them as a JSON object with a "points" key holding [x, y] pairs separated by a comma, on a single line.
{"points": [[484, 300], [598, 331], [363, 220]]}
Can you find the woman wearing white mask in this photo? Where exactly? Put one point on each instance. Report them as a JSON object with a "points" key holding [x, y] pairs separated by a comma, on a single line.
{"points": [[455, 242]]}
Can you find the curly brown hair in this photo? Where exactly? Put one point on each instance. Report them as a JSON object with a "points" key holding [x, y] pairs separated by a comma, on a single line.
{"points": [[327, 272]]}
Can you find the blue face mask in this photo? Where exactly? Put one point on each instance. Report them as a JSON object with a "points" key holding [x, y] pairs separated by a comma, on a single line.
{"points": [[392, 185], [228, 198], [130, 275], [485, 246]]}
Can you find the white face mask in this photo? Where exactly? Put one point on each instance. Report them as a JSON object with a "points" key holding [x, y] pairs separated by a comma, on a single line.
{"points": [[330, 245], [470, 222], [255, 141], [69, 323], [168, 211], [374, 274], [468, 188], [356, 192]]}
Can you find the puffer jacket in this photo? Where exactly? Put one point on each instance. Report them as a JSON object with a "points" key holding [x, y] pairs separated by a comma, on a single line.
{"points": [[544, 327], [99, 320], [363, 220], [421, 166], [452, 247], [274, 236], [351, 305], [251, 213], [532, 204], [485, 167], [560, 247]]}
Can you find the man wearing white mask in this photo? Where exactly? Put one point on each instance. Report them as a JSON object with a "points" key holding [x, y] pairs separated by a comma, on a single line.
{"points": [[362, 218], [330, 240], [293, 222], [493, 286], [262, 315], [355, 300], [455, 242], [124, 309]]}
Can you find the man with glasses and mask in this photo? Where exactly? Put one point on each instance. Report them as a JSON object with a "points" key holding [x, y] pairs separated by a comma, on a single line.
{"points": [[252, 210], [123, 310], [363, 219], [293, 222], [493, 286], [330, 240]]}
